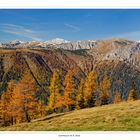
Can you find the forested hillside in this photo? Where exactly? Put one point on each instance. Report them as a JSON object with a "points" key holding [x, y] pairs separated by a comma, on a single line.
{"points": [[36, 82]]}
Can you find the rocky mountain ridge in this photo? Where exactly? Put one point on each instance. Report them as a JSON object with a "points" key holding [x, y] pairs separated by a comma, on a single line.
{"points": [[51, 44]]}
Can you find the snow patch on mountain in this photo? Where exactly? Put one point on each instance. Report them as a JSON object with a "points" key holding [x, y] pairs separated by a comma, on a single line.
{"points": [[57, 41]]}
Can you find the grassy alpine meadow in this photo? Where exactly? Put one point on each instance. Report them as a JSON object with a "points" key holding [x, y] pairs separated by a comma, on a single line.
{"points": [[114, 117]]}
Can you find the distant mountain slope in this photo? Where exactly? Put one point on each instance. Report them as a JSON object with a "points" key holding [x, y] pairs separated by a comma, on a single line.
{"points": [[114, 117], [117, 58], [51, 44], [41, 63]]}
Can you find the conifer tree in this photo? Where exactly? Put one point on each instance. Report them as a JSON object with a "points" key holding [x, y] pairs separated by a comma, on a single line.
{"points": [[69, 91], [24, 100], [133, 93], [6, 112], [80, 95], [104, 88], [90, 89], [117, 98], [16, 105], [40, 109], [1, 110], [60, 103], [54, 92]]}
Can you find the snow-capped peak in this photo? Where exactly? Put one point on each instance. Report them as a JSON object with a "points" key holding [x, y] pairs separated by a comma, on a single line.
{"points": [[57, 41], [16, 42]]}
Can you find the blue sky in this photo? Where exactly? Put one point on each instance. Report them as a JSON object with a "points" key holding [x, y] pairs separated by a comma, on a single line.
{"points": [[75, 24]]}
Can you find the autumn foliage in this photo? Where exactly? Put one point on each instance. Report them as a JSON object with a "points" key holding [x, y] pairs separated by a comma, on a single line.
{"points": [[6, 104], [69, 90], [117, 98], [80, 95], [19, 102], [55, 87], [90, 89], [104, 89], [133, 93], [24, 99]]}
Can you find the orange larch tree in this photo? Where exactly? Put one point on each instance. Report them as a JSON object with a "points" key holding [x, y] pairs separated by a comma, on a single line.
{"points": [[54, 89], [40, 109], [90, 89], [6, 97], [80, 95], [117, 98], [69, 90], [16, 105], [131, 95], [104, 89], [24, 99]]}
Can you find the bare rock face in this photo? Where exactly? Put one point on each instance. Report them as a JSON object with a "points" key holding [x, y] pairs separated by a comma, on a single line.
{"points": [[52, 44], [76, 45]]}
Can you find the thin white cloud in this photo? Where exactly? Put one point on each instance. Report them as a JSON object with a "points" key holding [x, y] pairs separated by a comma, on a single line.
{"points": [[134, 35], [75, 28], [20, 31]]}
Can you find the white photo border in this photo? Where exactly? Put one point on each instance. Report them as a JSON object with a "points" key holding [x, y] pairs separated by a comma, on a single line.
{"points": [[70, 4]]}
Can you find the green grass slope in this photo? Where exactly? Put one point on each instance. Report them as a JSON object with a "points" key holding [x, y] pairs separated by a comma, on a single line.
{"points": [[123, 116]]}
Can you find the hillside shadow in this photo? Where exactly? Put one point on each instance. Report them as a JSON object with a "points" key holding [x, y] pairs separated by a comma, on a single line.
{"points": [[50, 117]]}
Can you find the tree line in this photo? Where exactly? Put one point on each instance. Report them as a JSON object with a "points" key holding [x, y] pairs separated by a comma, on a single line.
{"points": [[19, 102], [89, 92]]}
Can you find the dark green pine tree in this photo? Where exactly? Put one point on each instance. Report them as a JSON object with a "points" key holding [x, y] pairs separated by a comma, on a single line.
{"points": [[135, 89]]}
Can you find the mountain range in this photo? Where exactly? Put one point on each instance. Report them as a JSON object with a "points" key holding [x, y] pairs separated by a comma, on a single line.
{"points": [[54, 43]]}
